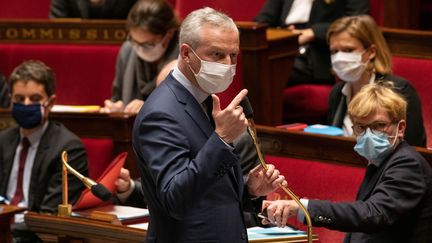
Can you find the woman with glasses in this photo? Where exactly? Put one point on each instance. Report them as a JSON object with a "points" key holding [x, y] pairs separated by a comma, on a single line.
{"points": [[393, 203], [152, 44], [359, 56]]}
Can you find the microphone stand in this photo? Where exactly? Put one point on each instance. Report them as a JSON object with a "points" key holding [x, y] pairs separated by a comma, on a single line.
{"points": [[252, 132], [64, 209]]}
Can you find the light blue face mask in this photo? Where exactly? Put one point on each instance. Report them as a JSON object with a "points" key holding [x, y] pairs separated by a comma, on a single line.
{"points": [[374, 146]]}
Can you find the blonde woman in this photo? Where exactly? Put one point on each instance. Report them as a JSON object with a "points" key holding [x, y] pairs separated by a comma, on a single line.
{"points": [[359, 56]]}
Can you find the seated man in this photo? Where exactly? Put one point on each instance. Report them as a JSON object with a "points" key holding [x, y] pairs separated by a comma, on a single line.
{"points": [[30, 160], [394, 200]]}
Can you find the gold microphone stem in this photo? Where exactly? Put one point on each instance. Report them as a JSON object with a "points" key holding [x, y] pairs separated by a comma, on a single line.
{"points": [[64, 209], [253, 135]]}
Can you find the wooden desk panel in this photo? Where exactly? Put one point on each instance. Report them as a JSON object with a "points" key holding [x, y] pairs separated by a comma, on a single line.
{"points": [[52, 228], [7, 213]]}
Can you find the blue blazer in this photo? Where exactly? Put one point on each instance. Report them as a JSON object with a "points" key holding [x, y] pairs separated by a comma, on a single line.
{"points": [[192, 180]]}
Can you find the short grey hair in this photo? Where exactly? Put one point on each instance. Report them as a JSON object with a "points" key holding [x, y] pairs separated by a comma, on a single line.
{"points": [[191, 25]]}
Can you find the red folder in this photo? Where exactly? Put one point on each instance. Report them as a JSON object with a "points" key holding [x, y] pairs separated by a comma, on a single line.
{"points": [[108, 178]]}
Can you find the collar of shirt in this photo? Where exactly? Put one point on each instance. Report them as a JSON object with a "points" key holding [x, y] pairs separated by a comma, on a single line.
{"points": [[36, 136], [197, 93]]}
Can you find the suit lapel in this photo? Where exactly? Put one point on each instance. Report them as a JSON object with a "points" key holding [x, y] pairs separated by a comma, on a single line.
{"points": [[192, 108], [285, 11], [37, 171], [198, 115], [371, 177], [8, 159]]}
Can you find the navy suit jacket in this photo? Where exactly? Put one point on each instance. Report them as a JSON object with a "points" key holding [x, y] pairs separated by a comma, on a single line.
{"points": [[192, 179], [394, 202]]}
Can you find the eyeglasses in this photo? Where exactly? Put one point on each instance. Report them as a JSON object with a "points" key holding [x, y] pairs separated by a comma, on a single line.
{"points": [[145, 45], [375, 127]]}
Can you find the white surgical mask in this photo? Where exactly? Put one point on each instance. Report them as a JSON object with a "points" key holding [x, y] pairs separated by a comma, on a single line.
{"points": [[348, 66], [214, 77], [150, 54]]}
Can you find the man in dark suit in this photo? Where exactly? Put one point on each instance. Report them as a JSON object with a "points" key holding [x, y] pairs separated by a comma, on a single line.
{"points": [[394, 200], [30, 163], [190, 172], [311, 20], [129, 192]]}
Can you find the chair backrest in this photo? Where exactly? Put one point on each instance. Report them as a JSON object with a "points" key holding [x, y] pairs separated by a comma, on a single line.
{"points": [[418, 72], [84, 73], [24, 9], [99, 155], [235, 9], [318, 180]]}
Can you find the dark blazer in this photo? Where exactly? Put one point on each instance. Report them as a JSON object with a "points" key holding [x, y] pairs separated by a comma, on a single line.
{"points": [[393, 203], [415, 133], [192, 180], [248, 160], [113, 9], [274, 13], [45, 192]]}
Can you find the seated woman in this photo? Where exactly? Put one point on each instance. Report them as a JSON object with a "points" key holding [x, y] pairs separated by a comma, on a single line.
{"points": [[152, 43], [359, 56]]}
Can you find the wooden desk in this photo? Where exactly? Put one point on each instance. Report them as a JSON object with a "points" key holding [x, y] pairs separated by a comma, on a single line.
{"points": [[7, 213], [52, 228], [268, 57], [308, 146], [267, 54]]}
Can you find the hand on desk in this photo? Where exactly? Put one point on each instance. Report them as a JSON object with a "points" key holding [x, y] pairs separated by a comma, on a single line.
{"points": [[279, 211], [110, 106], [306, 35], [261, 182], [133, 107]]}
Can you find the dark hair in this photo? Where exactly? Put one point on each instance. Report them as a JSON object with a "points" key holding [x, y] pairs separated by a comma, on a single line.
{"points": [[156, 16], [35, 71]]}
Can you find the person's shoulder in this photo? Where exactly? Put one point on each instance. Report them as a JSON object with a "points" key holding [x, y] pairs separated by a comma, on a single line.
{"points": [[126, 49], [57, 132], [8, 133]]}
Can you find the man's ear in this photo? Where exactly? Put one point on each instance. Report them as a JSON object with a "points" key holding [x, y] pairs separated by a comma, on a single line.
{"points": [[401, 129], [51, 101], [184, 52]]}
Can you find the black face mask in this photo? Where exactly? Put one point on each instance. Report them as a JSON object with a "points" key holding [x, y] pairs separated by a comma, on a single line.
{"points": [[28, 116]]}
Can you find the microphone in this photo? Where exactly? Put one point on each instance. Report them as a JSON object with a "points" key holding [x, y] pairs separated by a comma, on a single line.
{"points": [[98, 190], [247, 110]]}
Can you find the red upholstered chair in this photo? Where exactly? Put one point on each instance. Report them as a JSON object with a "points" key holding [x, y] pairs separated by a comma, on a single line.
{"points": [[84, 73], [418, 72], [243, 10], [99, 155], [307, 103], [318, 180], [24, 9]]}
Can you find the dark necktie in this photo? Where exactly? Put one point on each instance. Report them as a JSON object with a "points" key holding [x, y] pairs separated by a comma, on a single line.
{"points": [[208, 103], [17, 198]]}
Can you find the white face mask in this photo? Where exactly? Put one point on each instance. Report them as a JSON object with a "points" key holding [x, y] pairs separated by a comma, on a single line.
{"points": [[150, 54], [214, 77], [348, 66]]}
